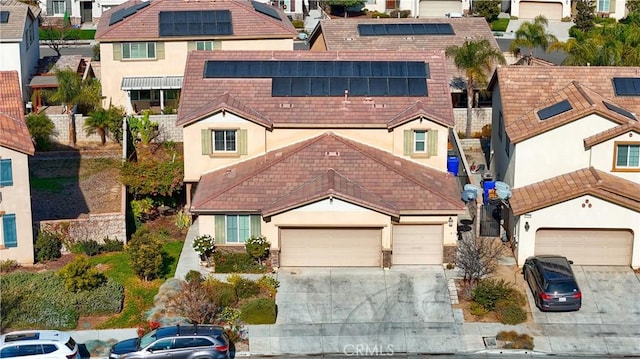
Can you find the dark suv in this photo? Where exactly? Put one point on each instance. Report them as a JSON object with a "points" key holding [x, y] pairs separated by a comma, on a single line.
{"points": [[175, 342], [552, 283]]}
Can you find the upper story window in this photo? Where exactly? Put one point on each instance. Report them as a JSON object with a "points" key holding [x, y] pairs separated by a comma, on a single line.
{"points": [[204, 45], [58, 7], [420, 142], [6, 173], [139, 50], [604, 6], [627, 156], [224, 142]]}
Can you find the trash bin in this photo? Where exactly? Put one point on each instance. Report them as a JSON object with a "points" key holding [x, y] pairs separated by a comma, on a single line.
{"points": [[452, 165]]}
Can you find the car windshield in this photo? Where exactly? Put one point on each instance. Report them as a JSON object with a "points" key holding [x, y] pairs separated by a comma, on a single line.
{"points": [[147, 339], [562, 287]]}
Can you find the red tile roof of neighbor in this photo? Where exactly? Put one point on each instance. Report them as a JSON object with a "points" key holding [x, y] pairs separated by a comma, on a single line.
{"points": [[252, 97], [525, 90], [14, 133], [247, 23], [588, 181], [324, 166], [342, 34]]}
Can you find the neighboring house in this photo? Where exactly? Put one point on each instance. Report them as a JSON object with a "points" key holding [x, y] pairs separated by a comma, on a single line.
{"points": [[567, 140], [338, 158], [19, 41], [16, 229], [144, 45], [421, 8], [559, 9], [406, 34]]}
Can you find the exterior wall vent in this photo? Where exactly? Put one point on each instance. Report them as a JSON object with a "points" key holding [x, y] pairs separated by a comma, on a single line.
{"points": [[332, 153], [379, 105], [286, 105]]}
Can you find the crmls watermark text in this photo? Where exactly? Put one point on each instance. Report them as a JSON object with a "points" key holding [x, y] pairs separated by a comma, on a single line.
{"points": [[369, 350]]}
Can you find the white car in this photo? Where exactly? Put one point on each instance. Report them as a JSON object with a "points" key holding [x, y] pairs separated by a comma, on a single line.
{"points": [[38, 344]]}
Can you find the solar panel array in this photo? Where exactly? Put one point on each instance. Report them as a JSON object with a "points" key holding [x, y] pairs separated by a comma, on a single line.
{"points": [[626, 86], [266, 10], [405, 29], [4, 17], [193, 23], [330, 78], [126, 12], [554, 110], [619, 110]]}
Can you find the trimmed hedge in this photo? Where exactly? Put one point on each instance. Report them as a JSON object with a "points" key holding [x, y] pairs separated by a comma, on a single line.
{"points": [[72, 34], [259, 311], [228, 262]]}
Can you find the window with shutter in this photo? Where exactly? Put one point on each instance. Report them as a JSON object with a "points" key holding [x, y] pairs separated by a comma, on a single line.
{"points": [[224, 141], [6, 173], [9, 230]]}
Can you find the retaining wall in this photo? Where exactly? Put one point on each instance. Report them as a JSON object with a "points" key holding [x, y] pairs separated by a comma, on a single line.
{"points": [[91, 226]]}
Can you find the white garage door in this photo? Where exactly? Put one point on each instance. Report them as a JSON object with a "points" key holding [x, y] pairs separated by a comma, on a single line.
{"points": [[439, 8], [531, 9], [587, 246], [330, 247], [417, 244]]}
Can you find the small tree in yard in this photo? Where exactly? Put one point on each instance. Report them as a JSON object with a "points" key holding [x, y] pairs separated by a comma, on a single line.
{"points": [[55, 36], [105, 122], [584, 17], [145, 254], [488, 9], [79, 275], [477, 257], [258, 247], [195, 302], [41, 128]]}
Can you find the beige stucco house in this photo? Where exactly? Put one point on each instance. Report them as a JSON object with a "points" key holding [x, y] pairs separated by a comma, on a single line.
{"points": [[558, 9], [567, 139], [16, 233], [338, 158], [144, 45]]}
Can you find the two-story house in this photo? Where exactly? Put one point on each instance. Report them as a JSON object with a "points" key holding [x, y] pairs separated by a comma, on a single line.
{"points": [[338, 158], [567, 139], [558, 9], [19, 40], [421, 8], [144, 45], [16, 230]]}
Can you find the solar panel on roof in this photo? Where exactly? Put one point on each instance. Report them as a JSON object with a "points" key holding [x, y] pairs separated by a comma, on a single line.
{"points": [[4, 17], [195, 23], [626, 86], [554, 110], [619, 110], [126, 12], [266, 10], [405, 29]]}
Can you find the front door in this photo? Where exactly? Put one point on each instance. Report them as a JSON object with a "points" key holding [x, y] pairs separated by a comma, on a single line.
{"points": [[87, 12]]}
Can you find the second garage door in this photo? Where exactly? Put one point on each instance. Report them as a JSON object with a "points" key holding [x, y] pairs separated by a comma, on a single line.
{"points": [[330, 247], [439, 8], [413, 244], [531, 9], [587, 246]]}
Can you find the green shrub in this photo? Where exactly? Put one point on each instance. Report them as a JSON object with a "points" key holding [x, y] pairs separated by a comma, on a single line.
{"points": [[227, 262], [507, 335], [112, 245], [489, 291], [257, 247], [90, 247], [270, 284], [47, 246], [245, 288], [141, 207], [511, 314], [145, 254], [298, 24], [399, 14], [193, 275], [259, 311], [183, 220], [515, 340], [105, 299], [8, 265], [41, 128], [222, 293], [79, 275], [500, 24], [477, 309]]}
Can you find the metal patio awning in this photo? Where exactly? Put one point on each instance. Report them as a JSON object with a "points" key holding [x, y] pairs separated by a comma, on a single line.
{"points": [[152, 83]]}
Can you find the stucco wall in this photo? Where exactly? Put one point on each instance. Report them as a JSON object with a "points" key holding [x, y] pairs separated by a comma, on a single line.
{"points": [[570, 214], [16, 199], [93, 226], [603, 156]]}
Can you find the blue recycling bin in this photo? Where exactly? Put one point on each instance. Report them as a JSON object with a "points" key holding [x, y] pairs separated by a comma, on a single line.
{"points": [[486, 187], [452, 165]]}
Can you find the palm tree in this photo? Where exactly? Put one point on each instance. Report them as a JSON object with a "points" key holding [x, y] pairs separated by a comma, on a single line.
{"points": [[73, 91], [104, 121], [477, 59], [533, 34]]}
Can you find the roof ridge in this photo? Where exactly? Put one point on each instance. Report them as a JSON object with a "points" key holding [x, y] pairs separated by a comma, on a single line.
{"points": [[583, 92]]}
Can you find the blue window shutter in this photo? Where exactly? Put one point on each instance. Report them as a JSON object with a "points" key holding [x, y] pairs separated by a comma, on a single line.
{"points": [[9, 230], [6, 173]]}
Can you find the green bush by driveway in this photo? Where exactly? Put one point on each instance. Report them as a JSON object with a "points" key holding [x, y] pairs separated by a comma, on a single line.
{"points": [[500, 24], [259, 311], [229, 262]]}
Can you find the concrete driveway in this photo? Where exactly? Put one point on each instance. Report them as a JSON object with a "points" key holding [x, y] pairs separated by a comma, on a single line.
{"points": [[357, 311]]}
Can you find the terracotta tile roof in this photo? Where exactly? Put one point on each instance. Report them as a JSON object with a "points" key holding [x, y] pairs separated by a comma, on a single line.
{"points": [[323, 166], [13, 30], [583, 102], [13, 128], [226, 102], [632, 126], [321, 111], [588, 181], [523, 89], [247, 23], [342, 34]]}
